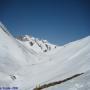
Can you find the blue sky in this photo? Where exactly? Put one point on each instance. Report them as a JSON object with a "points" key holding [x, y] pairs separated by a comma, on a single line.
{"points": [[58, 21]]}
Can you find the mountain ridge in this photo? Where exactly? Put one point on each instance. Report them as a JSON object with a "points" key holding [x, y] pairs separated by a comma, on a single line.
{"points": [[26, 66], [41, 45]]}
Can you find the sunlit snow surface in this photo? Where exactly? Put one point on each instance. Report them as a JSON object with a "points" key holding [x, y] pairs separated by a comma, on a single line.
{"points": [[32, 69], [79, 83]]}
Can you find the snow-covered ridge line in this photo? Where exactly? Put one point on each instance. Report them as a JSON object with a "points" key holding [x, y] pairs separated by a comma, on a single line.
{"points": [[36, 44], [4, 28]]}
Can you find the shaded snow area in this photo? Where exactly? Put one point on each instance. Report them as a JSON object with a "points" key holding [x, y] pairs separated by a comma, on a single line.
{"points": [[26, 62]]}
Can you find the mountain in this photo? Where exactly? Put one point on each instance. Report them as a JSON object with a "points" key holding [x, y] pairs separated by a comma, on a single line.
{"points": [[26, 62], [36, 44], [13, 56]]}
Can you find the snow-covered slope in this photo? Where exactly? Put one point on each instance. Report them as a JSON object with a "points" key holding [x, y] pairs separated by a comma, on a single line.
{"points": [[79, 83], [13, 55], [69, 60], [36, 44], [23, 65]]}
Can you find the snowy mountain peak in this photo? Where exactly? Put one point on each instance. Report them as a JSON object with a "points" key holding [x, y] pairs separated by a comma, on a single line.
{"points": [[35, 43]]}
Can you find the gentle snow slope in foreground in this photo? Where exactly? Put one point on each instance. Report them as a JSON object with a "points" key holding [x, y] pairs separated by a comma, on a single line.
{"points": [[31, 68], [80, 83]]}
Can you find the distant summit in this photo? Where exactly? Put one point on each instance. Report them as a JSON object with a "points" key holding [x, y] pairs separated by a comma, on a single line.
{"points": [[35, 43]]}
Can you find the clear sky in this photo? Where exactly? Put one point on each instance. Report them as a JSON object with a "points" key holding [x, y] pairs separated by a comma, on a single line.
{"points": [[58, 21]]}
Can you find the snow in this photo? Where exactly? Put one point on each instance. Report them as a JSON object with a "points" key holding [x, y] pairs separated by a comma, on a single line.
{"points": [[13, 56], [79, 83], [32, 67], [38, 45]]}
